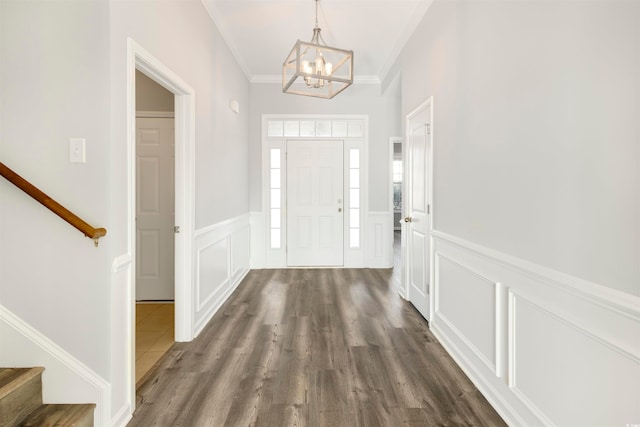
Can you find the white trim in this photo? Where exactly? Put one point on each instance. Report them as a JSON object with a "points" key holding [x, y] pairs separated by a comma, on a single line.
{"points": [[407, 31], [359, 138], [155, 114], [611, 299], [379, 239], [501, 326], [121, 263], [222, 224], [530, 299], [490, 364], [256, 225], [139, 59], [606, 319], [235, 232], [493, 396], [122, 417], [219, 22], [201, 303], [102, 387]]}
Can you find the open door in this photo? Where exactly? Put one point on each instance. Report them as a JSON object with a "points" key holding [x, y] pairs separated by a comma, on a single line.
{"points": [[417, 203]]}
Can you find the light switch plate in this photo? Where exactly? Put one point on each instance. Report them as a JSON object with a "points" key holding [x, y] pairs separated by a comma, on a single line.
{"points": [[77, 150]]}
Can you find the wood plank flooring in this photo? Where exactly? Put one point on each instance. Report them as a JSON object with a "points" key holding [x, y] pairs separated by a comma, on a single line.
{"points": [[330, 347]]}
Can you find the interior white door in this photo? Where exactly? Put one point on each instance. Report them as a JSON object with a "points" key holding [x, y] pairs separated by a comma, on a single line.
{"points": [[155, 208], [418, 209], [315, 208]]}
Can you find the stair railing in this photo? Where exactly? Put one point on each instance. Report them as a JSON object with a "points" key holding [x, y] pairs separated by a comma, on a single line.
{"points": [[52, 205]]}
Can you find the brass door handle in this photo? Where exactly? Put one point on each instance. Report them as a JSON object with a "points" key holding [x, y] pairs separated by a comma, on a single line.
{"points": [[408, 219]]}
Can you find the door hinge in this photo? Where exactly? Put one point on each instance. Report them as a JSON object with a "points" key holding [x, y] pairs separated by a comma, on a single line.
{"points": [[176, 229], [428, 209], [428, 125]]}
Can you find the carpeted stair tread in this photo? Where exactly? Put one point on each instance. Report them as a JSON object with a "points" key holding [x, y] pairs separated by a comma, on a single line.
{"points": [[50, 415]]}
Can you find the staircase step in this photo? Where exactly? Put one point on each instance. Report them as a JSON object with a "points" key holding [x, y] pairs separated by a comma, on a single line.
{"points": [[20, 393], [49, 415]]}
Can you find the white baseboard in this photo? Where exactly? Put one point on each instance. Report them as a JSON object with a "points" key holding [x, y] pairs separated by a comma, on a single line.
{"points": [[545, 348], [122, 417], [65, 379]]}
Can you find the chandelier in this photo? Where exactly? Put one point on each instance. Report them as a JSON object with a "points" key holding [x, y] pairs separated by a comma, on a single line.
{"points": [[315, 69]]}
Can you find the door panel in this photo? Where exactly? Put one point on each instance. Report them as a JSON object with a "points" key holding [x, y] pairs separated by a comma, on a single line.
{"points": [[155, 154], [314, 210], [418, 223]]}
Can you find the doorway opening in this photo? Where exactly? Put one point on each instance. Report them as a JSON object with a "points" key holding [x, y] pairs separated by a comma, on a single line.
{"points": [[138, 59], [155, 219], [395, 146]]}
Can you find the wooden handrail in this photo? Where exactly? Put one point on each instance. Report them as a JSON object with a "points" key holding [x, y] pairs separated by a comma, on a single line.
{"points": [[52, 205]]}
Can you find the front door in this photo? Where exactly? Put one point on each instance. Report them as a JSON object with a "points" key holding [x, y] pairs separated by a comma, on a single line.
{"points": [[418, 200], [315, 208], [155, 208]]}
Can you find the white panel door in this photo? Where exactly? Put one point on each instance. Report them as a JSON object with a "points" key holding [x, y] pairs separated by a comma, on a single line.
{"points": [[155, 208], [315, 208], [417, 202]]}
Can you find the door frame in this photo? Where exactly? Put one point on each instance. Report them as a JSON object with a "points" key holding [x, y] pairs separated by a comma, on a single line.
{"points": [[139, 59], [406, 208], [355, 136]]}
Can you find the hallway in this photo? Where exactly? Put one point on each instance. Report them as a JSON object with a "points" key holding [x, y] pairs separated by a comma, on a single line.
{"points": [[312, 347]]}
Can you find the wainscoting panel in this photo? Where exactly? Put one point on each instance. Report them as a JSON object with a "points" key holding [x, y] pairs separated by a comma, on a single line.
{"points": [[212, 265], [583, 368], [379, 240], [466, 302], [545, 348], [221, 262]]}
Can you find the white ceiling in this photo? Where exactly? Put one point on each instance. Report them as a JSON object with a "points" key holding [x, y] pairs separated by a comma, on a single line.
{"points": [[261, 33]]}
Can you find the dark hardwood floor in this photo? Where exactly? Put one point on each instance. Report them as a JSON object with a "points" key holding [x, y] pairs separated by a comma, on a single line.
{"points": [[327, 347]]}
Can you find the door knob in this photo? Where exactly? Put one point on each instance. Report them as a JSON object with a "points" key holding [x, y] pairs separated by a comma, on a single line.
{"points": [[407, 219]]}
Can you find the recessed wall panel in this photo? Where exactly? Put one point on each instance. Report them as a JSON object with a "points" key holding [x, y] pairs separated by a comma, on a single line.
{"points": [[467, 301], [591, 376], [213, 270]]}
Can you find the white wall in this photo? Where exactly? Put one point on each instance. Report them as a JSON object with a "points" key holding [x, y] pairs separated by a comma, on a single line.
{"points": [[182, 36], [384, 122], [536, 201], [54, 85], [64, 75], [537, 127]]}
